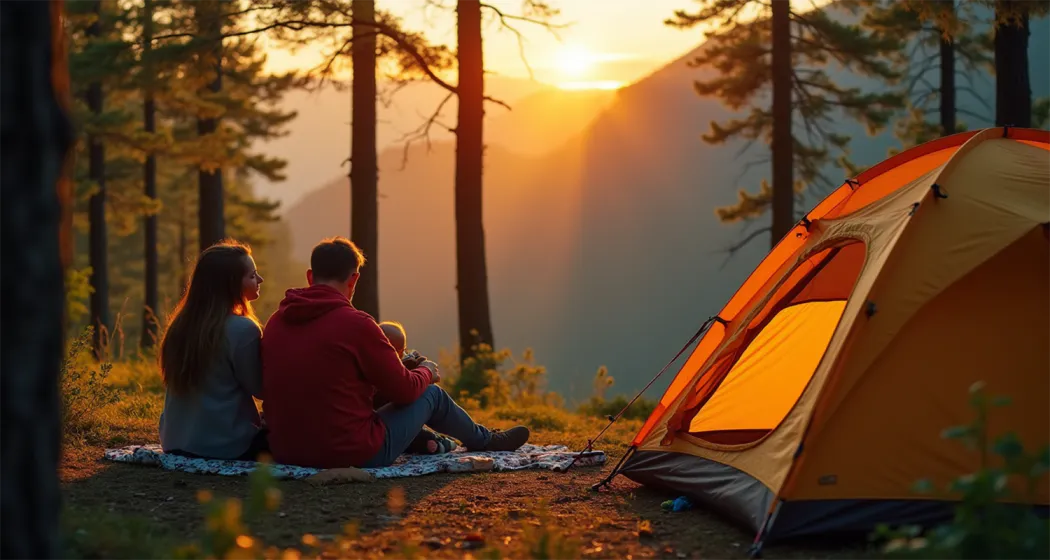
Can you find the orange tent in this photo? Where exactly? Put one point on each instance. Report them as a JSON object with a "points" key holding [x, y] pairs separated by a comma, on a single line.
{"points": [[817, 397]]}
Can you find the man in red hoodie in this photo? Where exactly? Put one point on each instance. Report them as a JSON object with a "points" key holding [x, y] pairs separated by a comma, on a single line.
{"points": [[323, 364]]}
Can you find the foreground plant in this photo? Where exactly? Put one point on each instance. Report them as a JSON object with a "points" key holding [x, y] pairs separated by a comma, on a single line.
{"points": [[984, 525], [83, 387]]}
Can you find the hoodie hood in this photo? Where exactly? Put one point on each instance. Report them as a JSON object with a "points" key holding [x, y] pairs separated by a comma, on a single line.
{"points": [[302, 305]]}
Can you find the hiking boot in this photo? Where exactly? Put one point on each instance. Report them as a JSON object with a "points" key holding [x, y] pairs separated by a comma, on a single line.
{"points": [[509, 440]]}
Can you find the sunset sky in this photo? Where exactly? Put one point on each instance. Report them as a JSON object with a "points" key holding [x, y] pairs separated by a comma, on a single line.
{"points": [[605, 44]]}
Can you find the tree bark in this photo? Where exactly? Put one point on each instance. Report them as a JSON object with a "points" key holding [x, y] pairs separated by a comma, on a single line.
{"points": [[184, 246], [212, 224], [364, 165], [783, 142], [97, 210], [36, 140], [948, 80], [1013, 92], [475, 324], [149, 309]]}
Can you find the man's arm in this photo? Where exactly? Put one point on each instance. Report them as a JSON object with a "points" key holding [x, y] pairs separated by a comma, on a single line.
{"points": [[383, 369]]}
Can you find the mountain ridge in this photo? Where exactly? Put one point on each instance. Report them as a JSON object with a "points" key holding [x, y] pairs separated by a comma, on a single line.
{"points": [[602, 251]]}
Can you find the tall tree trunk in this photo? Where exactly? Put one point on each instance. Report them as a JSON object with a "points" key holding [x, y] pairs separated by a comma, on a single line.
{"points": [[36, 139], [1013, 92], [948, 79], [475, 324], [184, 245], [97, 210], [212, 226], [364, 167], [149, 309], [783, 158]]}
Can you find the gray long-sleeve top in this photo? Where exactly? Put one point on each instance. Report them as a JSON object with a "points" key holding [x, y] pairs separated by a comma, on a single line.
{"points": [[220, 419]]}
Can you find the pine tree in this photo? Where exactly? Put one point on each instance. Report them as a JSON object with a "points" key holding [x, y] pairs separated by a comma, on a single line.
{"points": [[364, 159], [248, 106], [97, 204], [149, 170], [1013, 90], [475, 323], [100, 62], [940, 24], [475, 318], [785, 55], [246, 110], [211, 213], [37, 137], [947, 70], [369, 38]]}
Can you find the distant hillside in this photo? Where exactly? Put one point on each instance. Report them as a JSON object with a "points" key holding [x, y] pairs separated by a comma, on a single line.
{"points": [[318, 142], [603, 250], [416, 241], [544, 120]]}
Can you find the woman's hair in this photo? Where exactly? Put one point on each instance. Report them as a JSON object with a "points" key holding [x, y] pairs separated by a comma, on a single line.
{"points": [[196, 330]]}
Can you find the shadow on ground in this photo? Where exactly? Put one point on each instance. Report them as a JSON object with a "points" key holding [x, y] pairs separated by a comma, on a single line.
{"points": [[522, 514]]}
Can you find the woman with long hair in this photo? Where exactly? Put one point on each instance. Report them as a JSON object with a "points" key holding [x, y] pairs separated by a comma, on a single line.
{"points": [[209, 360]]}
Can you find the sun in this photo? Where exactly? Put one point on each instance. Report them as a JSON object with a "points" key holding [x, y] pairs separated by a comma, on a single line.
{"points": [[576, 62]]}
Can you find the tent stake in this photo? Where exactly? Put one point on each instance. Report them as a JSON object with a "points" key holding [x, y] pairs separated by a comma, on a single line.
{"points": [[615, 471]]}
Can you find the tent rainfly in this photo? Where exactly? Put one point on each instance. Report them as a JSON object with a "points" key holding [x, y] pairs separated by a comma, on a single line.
{"points": [[816, 398]]}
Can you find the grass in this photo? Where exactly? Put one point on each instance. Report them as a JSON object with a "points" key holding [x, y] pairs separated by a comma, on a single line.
{"points": [[127, 511], [91, 533]]}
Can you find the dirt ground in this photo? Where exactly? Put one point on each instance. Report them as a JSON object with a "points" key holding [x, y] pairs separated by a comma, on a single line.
{"points": [[443, 515]]}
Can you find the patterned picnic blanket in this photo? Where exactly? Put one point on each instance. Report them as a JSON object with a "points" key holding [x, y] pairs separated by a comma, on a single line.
{"points": [[549, 457]]}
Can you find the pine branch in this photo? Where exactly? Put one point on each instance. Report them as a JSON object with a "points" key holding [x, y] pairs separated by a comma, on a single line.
{"points": [[747, 167], [547, 25], [544, 24], [520, 37], [383, 29], [922, 97], [970, 113], [733, 249], [423, 132], [1041, 112], [973, 93]]}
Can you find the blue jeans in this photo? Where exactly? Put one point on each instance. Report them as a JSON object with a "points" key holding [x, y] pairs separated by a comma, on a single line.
{"points": [[435, 409]]}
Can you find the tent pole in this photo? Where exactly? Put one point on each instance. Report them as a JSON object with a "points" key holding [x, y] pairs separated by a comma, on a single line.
{"points": [[612, 419], [756, 546]]}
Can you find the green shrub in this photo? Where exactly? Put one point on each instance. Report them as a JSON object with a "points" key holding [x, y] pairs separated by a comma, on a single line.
{"points": [[602, 408], [83, 387], [983, 526], [497, 379], [537, 417], [78, 290]]}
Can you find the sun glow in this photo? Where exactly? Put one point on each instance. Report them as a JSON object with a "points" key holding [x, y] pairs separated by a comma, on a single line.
{"points": [[591, 84], [581, 69], [576, 62]]}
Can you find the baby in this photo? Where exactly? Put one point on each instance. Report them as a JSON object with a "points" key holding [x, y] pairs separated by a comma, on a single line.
{"points": [[427, 441]]}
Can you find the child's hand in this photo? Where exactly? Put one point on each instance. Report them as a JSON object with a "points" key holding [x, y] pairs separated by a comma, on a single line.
{"points": [[413, 360]]}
